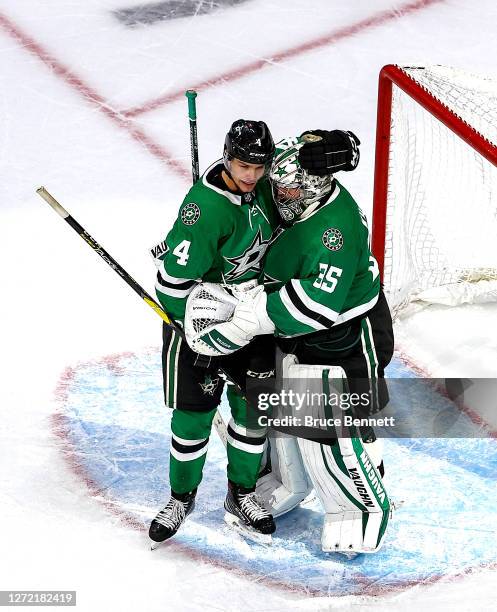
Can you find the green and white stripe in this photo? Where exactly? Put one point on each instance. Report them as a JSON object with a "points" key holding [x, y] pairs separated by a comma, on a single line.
{"points": [[249, 440], [369, 352], [171, 367]]}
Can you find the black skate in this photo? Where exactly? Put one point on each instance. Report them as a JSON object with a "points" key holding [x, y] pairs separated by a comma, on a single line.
{"points": [[247, 515], [170, 519]]}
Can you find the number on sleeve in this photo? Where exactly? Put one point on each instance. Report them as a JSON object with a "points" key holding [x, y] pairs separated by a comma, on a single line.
{"points": [[181, 251], [373, 267], [328, 278]]}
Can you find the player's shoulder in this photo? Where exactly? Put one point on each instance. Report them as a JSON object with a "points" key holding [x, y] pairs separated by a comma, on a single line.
{"points": [[346, 203], [343, 210], [332, 227], [205, 200]]}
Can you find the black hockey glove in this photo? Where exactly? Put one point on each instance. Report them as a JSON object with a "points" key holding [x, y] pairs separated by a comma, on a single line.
{"points": [[328, 152]]}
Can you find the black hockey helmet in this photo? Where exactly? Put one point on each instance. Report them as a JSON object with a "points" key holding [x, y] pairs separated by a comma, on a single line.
{"points": [[248, 141]]}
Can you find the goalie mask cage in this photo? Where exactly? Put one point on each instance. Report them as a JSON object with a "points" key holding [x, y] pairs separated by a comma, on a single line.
{"points": [[435, 192]]}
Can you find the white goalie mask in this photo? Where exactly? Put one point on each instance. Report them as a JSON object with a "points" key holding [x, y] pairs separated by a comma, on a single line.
{"points": [[294, 189]]}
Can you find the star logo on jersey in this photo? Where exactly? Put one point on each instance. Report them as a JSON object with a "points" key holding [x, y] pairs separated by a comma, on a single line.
{"points": [[332, 239], [269, 280], [190, 214], [209, 385], [250, 260]]}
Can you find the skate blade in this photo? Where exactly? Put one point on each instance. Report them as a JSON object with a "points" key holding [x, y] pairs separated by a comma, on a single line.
{"points": [[247, 532], [154, 544]]}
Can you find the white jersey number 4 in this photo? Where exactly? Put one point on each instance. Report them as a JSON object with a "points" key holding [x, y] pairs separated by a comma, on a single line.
{"points": [[181, 251]]}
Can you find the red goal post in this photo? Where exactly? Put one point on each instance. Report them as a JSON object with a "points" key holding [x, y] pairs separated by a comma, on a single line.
{"points": [[405, 79]]}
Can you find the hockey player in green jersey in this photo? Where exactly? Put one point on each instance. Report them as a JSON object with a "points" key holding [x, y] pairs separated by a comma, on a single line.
{"points": [[220, 235], [324, 303]]}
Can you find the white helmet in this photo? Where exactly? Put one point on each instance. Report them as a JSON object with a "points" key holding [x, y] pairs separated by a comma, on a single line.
{"points": [[294, 189]]}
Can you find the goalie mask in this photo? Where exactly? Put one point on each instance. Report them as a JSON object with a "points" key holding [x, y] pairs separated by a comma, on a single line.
{"points": [[294, 189]]}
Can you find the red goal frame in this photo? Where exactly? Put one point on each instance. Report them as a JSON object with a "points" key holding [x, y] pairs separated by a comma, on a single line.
{"points": [[393, 74]]}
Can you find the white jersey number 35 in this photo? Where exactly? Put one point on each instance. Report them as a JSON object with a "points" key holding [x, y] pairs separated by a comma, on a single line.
{"points": [[328, 278]]}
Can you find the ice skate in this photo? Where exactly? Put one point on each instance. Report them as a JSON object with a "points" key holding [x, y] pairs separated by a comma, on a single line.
{"points": [[170, 519], [246, 514]]}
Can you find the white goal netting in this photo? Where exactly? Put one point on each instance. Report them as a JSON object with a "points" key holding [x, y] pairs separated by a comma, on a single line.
{"points": [[441, 232]]}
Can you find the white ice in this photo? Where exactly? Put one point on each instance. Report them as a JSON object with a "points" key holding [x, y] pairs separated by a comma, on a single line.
{"points": [[61, 305]]}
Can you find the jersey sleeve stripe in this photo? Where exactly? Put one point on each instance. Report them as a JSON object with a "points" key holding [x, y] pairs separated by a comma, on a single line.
{"points": [[358, 310], [168, 280], [297, 313], [307, 306], [174, 291], [325, 315]]}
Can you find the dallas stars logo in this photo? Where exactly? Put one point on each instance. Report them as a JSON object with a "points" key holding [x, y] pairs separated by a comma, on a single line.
{"points": [[249, 260], [209, 385], [333, 239], [268, 280], [190, 214]]}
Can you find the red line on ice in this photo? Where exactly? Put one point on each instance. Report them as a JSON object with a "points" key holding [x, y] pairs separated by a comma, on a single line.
{"points": [[402, 354], [328, 39], [71, 79]]}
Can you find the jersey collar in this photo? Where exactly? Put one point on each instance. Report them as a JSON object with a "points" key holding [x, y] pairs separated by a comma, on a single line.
{"points": [[232, 197], [317, 206]]}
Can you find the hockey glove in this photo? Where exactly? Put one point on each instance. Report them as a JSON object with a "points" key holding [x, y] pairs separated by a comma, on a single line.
{"points": [[250, 313], [328, 152], [217, 324]]}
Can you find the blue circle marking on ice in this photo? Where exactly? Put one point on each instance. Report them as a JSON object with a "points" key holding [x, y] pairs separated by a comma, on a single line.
{"points": [[119, 429]]}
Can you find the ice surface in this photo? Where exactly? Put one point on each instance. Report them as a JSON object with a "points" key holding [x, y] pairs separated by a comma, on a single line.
{"points": [[74, 89], [122, 452]]}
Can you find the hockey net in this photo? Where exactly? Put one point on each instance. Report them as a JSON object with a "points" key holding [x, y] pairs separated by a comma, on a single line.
{"points": [[435, 201]]}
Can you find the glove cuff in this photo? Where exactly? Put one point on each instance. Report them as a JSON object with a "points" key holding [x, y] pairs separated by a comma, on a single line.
{"points": [[266, 324]]}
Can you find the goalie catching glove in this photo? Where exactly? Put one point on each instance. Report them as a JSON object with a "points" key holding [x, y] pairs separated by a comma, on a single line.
{"points": [[326, 152], [220, 321]]}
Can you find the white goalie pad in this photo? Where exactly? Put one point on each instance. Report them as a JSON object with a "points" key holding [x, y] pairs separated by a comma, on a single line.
{"points": [[287, 484], [352, 493], [344, 476]]}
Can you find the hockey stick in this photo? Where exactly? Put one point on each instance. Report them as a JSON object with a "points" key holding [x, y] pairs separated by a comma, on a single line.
{"points": [[192, 115], [129, 280], [218, 421]]}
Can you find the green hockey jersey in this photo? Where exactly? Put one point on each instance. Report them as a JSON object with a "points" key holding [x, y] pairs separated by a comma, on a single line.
{"points": [[218, 237], [320, 271]]}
